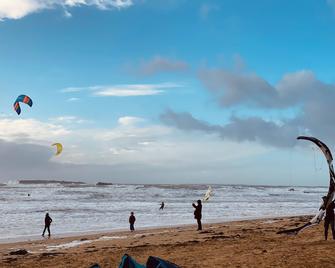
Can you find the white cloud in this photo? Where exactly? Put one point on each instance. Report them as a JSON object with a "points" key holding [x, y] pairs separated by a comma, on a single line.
{"points": [[132, 134], [68, 119], [145, 143], [72, 99], [133, 90], [16, 9], [119, 151], [79, 141], [123, 90], [73, 89], [135, 153], [102, 4], [30, 130], [129, 120], [67, 14], [128, 92]]}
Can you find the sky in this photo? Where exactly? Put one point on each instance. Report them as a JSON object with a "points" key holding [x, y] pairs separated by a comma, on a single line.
{"points": [[167, 91]]}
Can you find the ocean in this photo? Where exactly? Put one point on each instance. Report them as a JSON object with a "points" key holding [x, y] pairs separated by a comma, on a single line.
{"points": [[82, 208]]}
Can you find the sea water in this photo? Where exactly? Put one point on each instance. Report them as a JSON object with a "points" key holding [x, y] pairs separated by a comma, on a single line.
{"points": [[90, 208]]}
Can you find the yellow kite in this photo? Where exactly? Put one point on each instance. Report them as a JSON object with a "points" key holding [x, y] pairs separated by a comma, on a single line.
{"points": [[59, 147]]}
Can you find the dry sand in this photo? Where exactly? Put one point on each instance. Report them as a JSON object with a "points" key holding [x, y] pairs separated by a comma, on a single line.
{"points": [[236, 244]]}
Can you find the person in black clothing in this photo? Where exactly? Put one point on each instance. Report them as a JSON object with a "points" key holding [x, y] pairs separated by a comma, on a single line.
{"points": [[329, 219], [132, 220], [197, 214], [162, 206], [47, 222]]}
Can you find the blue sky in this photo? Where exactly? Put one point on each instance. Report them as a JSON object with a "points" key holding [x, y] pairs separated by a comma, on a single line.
{"points": [[168, 91]]}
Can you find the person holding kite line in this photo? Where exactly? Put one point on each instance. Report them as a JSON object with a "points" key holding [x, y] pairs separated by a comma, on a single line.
{"points": [[197, 214], [329, 219], [162, 206]]}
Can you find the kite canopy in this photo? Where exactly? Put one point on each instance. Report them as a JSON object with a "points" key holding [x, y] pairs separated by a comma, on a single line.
{"points": [[331, 189], [59, 147], [129, 262], [24, 99], [152, 262], [155, 262], [208, 194]]}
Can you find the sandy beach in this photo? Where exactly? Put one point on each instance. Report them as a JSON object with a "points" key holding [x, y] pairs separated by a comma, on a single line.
{"points": [[252, 243]]}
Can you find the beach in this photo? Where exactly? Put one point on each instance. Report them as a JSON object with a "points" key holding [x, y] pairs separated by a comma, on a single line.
{"points": [[249, 243], [197, 132]]}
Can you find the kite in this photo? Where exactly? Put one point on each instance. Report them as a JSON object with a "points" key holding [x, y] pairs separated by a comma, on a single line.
{"points": [[24, 99], [331, 190], [208, 194], [59, 148]]}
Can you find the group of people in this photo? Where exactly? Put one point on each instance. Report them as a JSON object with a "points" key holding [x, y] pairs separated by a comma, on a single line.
{"points": [[328, 220], [132, 218], [197, 215]]}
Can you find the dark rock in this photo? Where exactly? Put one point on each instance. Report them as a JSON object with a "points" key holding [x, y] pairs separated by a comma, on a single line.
{"points": [[19, 252], [47, 254], [95, 266], [104, 183]]}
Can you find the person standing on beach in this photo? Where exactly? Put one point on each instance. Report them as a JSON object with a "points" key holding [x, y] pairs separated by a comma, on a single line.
{"points": [[47, 222], [329, 219], [197, 213], [132, 220], [162, 206]]}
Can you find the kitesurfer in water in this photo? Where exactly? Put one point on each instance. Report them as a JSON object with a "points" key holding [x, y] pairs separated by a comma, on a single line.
{"points": [[47, 222], [162, 206], [329, 219], [197, 214], [132, 220]]}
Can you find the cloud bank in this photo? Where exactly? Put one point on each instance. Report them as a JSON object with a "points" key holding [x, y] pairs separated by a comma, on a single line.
{"points": [[312, 98], [133, 151], [16, 9], [159, 64]]}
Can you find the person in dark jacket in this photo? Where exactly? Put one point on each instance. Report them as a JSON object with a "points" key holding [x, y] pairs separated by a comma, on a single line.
{"points": [[329, 218], [162, 206], [132, 220], [197, 214], [47, 222]]}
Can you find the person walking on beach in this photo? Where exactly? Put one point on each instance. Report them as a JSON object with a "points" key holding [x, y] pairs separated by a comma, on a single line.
{"points": [[47, 222], [197, 213], [132, 220], [162, 206], [329, 219]]}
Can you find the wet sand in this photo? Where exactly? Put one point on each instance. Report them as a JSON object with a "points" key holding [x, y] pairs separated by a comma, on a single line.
{"points": [[251, 243]]}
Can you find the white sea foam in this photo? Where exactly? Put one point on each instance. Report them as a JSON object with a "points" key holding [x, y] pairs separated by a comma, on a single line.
{"points": [[71, 244], [76, 243], [104, 238]]}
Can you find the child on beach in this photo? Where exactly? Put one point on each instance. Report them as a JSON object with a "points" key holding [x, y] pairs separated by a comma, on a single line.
{"points": [[47, 222], [132, 220]]}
